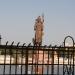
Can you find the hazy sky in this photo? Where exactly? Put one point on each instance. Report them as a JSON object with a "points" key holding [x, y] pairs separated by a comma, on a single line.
{"points": [[17, 19]]}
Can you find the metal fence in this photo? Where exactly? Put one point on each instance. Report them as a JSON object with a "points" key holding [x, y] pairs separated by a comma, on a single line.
{"points": [[36, 60]]}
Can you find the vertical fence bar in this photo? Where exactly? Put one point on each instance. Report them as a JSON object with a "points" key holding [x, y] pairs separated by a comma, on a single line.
{"points": [[32, 64], [48, 63], [22, 58], [26, 63], [5, 58], [10, 62], [58, 62], [16, 63], [63, 61], [33, 60], [10, 57], [52, 64], [73, 61], [43, 61], [37, 54], [36, 58]]}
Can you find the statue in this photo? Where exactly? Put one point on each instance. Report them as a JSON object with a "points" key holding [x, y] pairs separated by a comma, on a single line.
{"points": [[38, 30], [38, 56]]}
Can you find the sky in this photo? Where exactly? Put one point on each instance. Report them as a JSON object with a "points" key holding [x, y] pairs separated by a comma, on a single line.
{"points": [[17, 20]]}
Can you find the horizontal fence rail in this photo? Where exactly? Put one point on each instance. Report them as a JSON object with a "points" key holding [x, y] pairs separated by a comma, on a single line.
{"points": [[37, 60]]}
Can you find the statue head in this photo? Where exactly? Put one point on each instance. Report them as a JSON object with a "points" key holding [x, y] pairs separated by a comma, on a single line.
{"points": [[38, 19]]}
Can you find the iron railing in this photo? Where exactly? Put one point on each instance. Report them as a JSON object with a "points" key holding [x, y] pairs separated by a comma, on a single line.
{"points": [[50, 60]]}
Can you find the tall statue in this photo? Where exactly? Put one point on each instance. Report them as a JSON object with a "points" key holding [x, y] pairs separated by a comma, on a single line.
{"points": [[38, 30], [37, 41]]}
